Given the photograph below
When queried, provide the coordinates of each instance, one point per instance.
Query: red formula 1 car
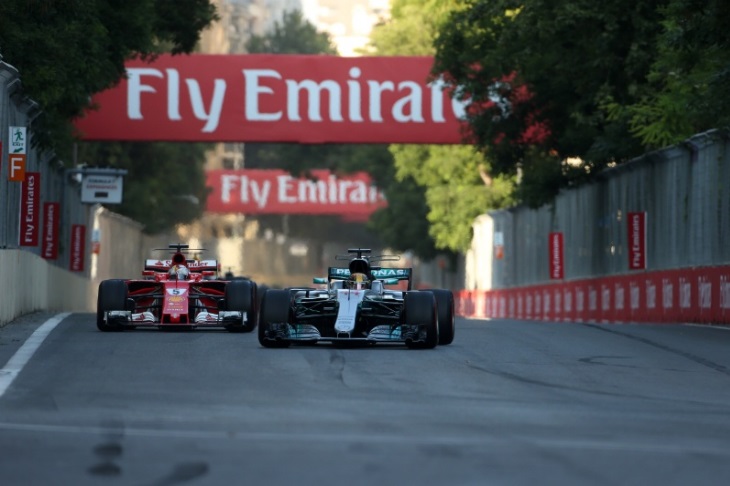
(177, 293)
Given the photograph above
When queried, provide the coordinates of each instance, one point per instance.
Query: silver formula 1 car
(355, 305)
(177, 293)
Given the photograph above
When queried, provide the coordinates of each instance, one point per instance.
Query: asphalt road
(509, 402)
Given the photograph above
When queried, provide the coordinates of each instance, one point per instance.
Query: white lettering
(413, 100)
(212, 116)
(376, 89)
(253, 89)
(354, 96)
(135, 88)
(314, 91)
(173, 94)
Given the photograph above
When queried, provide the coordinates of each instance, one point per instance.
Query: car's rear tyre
(240, 296)
(275, 307)
(112, 296)
(420, 309)
(445, 313)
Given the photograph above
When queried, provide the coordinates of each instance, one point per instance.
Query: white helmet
(179, 272)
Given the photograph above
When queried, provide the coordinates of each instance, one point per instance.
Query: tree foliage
(446, 187)
(292, 35)
(601, 82)
(67, 51)
(165, 182)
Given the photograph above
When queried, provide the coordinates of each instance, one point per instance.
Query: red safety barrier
(699, 295)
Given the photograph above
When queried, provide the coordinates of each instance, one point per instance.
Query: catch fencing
(36, 237)
(678, 202)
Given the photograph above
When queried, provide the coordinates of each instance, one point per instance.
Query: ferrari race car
(356, 307)
(177, 293)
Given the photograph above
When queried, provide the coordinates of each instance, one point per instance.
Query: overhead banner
(30, 199)
(270, 191)
(557, 268)
(637, 240)
(49, 240)
(78, 247)
(277, 98)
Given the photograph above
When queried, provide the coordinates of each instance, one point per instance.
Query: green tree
(165, 182)
(443, 188)
(541, 76)
(292, 35)
(688, 87)
(67, 51)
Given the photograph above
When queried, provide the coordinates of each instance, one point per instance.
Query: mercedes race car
(179, 293)
(356, 306)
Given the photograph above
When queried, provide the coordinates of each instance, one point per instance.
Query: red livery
(177, 293)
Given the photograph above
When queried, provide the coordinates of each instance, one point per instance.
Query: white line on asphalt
(21, 357)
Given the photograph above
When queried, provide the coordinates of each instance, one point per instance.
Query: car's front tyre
(240, 296)
(420, 310)
(112, 296)
(275, 308)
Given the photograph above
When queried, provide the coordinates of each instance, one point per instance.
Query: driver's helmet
(179, 272)
(358, 281)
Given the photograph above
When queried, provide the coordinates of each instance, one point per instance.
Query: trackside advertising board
(557, 267)
(269, 191)
(637, 240)
(30, 201)
(277, 98)
(49, 240)
(78, 247)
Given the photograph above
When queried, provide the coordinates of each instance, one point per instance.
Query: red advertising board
(698, 294)
(78, 247)
(49, 240)
(270, 191)
(30, 199)
(637, 240)
(557, 270)
(277, 98)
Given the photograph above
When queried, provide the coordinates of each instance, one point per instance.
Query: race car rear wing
(388, 275)
(193, 265)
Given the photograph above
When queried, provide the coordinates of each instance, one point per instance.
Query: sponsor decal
(277, 98)
(78, 246)
(30, 209)
(557, 270)
(637, 240)
(49, 240)
(380, 273)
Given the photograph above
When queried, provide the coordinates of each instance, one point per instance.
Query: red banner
(30, 198)
(78, 247)
(277, 98)
(637, 240)
(51, 217)
(259, 191)
(557, 270)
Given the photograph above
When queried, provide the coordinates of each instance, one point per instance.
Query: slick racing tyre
(240, 296)
(445, 313)
(420, 308)
(274, 310)
(112, 297)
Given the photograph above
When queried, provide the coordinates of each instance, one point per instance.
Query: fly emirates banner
(272, 191)
(277, 98)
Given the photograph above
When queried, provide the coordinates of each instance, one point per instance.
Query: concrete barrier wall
(28, 284)
(690, 295)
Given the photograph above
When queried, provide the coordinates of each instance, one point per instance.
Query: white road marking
(21, 357)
